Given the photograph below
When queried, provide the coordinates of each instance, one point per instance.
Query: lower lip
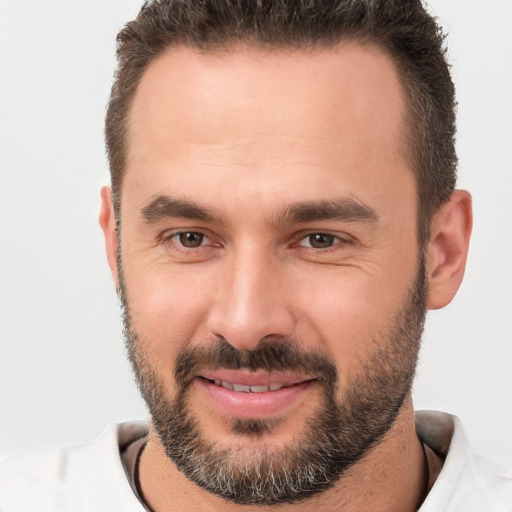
(253, 405)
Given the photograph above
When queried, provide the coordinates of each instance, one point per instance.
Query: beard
(340, 432)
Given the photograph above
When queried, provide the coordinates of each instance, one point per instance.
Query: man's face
(268, 244)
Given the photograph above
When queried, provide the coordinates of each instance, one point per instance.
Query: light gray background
(63, 375)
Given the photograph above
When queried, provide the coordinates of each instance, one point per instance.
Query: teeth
(243, 388)
(259, 389)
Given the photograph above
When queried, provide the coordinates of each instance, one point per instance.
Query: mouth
(253, 395)
(246, 388)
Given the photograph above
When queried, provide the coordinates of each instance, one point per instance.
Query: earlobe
(448, 248)
(108, 225)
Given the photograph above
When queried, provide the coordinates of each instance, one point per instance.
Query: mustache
(270, 355)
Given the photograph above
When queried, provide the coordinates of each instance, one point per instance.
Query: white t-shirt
(91, 477)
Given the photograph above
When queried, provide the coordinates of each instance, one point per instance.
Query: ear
(108, 225)
(448, 249)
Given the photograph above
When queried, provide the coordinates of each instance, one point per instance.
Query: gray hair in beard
(340, 433)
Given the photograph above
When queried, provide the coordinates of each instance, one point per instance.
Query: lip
(254, 378)
(253, 405)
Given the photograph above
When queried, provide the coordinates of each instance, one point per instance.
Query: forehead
(200, 91)
(300, 112)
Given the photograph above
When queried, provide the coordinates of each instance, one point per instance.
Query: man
(283, 211)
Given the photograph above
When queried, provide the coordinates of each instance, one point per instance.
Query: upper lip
(254, 378)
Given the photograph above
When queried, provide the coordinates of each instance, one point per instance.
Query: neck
(391, 477)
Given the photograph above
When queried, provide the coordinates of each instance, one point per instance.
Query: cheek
(350, 310)
(167, 309)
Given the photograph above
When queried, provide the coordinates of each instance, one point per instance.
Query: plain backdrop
(63, 374)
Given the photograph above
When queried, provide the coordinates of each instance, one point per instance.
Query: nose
(252, 301)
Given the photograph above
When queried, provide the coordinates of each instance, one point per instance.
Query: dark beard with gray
(338, 435)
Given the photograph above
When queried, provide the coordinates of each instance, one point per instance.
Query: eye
(319, 241)
(190, 239)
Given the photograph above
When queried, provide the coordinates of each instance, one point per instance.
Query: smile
(242, 394)
(245, 388)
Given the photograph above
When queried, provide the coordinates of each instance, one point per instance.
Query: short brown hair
(402, 28)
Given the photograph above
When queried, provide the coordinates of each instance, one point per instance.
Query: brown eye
(191, 239)
(319, 241)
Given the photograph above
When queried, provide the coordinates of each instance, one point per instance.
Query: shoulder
(467, 482)
(89, 476)
(488, 483)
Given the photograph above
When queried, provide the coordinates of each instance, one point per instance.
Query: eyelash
(342, 241)
(167, 238)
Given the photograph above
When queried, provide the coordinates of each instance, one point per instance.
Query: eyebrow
(165, 207)
(342, 209)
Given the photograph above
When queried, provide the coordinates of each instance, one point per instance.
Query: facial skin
(251, 153)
